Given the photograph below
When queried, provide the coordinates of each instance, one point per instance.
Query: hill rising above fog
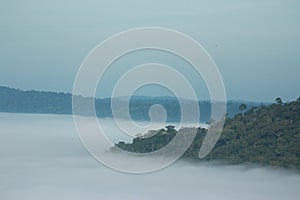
(267, 135)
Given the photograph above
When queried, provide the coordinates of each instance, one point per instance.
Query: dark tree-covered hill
(267, 135)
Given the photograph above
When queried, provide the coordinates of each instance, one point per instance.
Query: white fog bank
(41, 157)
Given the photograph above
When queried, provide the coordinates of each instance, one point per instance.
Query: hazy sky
(254, 43)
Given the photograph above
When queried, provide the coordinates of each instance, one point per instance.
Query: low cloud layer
(42, 158)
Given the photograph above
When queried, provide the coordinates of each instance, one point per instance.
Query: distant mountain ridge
(31, 101)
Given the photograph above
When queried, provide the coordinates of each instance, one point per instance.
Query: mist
(41, 157)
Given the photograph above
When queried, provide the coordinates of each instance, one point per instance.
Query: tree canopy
(267, 135)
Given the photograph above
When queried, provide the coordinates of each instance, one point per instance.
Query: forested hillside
(19, 101)
(267, 135)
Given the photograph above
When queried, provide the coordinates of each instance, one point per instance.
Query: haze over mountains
(19, 101)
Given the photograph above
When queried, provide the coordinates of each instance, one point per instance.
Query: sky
(255, 44)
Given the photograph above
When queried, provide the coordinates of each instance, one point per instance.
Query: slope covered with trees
(267, 135)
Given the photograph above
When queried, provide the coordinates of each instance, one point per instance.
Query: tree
(242, 107)
(170, 128)
(278, 100)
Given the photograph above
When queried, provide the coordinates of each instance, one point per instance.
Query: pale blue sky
(254, 43)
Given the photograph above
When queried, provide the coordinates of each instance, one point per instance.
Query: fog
(41, 157)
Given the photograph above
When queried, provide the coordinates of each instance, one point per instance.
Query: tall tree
(278, 100)
(242, 107)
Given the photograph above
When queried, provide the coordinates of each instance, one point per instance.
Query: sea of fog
(41, 157)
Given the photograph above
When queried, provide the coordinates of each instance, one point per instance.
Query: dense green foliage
(267, 135)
